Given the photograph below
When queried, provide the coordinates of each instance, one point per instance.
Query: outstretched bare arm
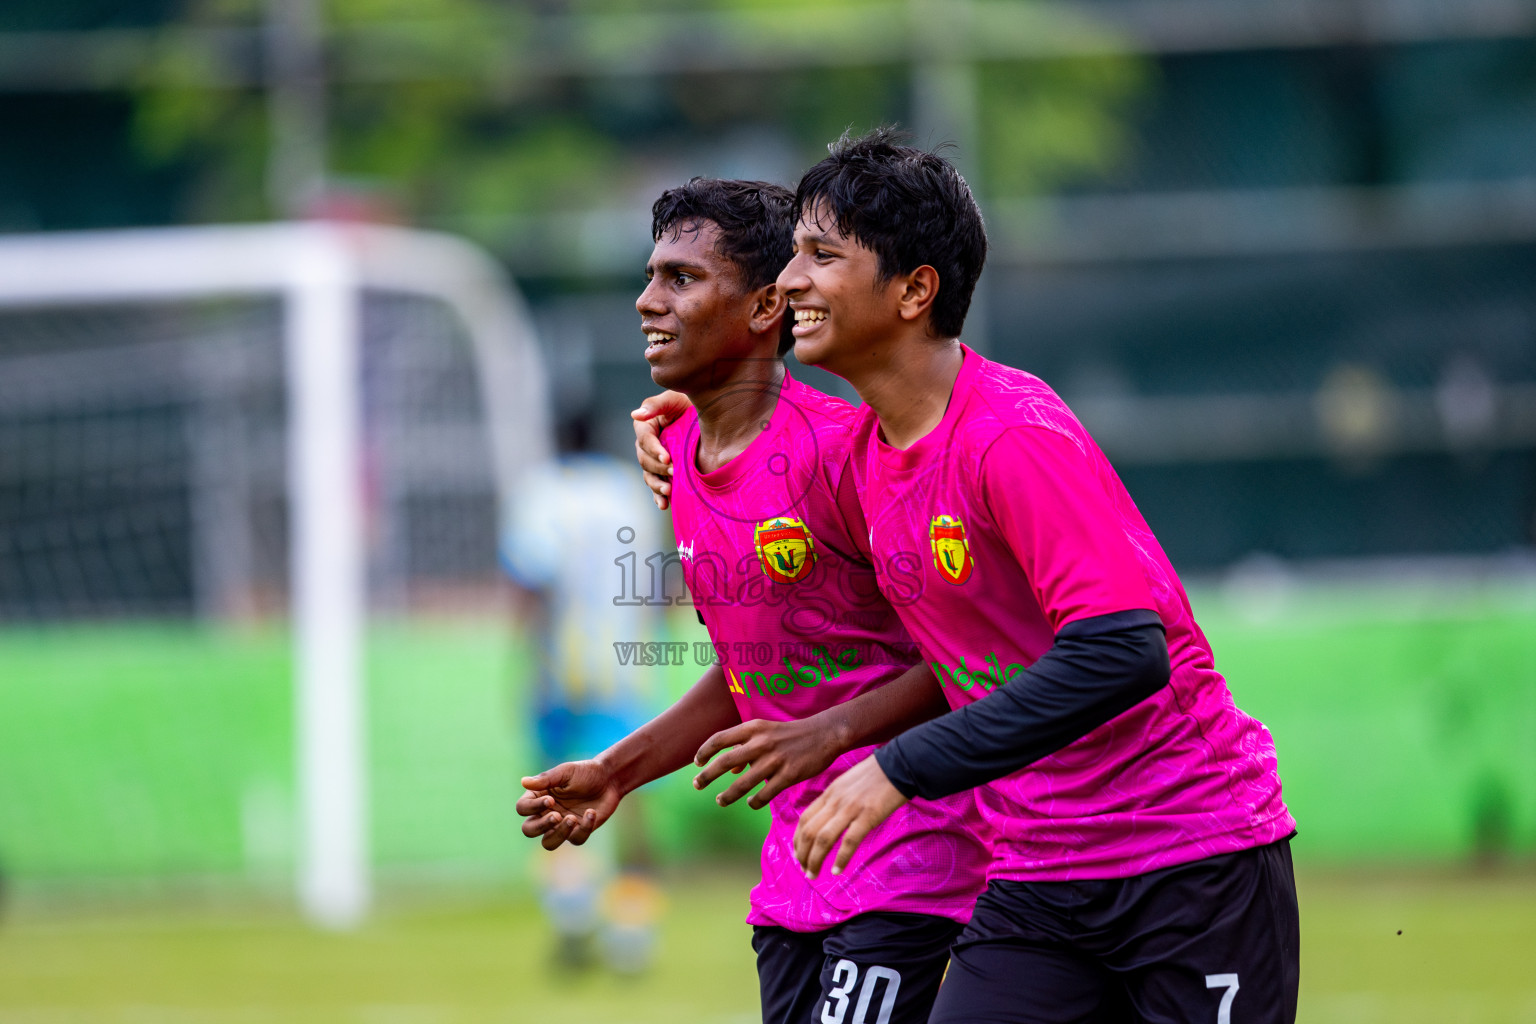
(570, 801)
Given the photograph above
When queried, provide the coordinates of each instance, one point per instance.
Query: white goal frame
(319, 272)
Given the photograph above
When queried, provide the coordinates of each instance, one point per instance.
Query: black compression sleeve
(1096, 669)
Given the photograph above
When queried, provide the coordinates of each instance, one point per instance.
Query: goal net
(249, 481)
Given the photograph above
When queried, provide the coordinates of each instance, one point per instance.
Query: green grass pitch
(1463, 957)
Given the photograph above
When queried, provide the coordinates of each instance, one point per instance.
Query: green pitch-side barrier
(1404, 718)
(164, 752)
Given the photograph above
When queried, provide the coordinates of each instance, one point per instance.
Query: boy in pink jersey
(813, 658)
(1141, 867)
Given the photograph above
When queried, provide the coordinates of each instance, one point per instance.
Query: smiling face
(696, 312)
(844, 312)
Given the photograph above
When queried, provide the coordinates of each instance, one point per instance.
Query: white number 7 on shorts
(1228, 982)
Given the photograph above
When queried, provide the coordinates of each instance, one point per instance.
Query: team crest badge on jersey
(951, 552)
(785, 549)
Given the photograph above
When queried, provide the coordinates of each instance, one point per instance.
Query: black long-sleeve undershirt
(1097, 668)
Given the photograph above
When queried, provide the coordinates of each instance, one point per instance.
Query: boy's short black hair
(911, 207)
(757, 228)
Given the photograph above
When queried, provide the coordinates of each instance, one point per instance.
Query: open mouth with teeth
(807, 320)
(655, 341)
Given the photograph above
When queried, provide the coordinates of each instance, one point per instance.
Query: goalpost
(314, 280)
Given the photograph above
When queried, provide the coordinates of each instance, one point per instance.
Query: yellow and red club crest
(785, 549)
(951, 552)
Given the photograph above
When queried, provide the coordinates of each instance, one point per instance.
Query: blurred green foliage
(466, 111)
(1050, 122)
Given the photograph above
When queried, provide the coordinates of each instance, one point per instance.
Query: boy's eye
(684, 278)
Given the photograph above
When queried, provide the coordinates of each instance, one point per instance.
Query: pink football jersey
(774, 552)
(1001, 525)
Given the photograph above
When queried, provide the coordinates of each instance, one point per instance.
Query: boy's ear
(916, 292)
(769, 304)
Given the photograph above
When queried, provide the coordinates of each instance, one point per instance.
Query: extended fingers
(530, 804)
(777, 782)
(828, 817)
(734, 761)
(660, 487)
(653, 454)
(553, 778)
(851, 839)
(658, 484)
(582, 828)
(540, 824)
(744, 785)
(667, 406)
(730, 761)
(811, 822)
(820, 844)
(650, 453)
(648, 447)
(735, 736)
(651, 410)
(560, 832)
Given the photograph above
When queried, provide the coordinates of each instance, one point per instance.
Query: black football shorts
(877, 968)
(1216, 941)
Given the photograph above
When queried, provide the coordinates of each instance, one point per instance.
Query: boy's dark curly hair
(756, 228)
(911, 207)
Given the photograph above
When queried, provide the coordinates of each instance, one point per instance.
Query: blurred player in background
(814, 660)
(569, 521)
